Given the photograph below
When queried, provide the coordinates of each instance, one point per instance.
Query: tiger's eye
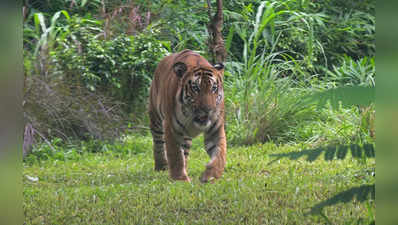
(214, 88)
(195, 88)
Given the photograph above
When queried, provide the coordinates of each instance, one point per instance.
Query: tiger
(186, 99)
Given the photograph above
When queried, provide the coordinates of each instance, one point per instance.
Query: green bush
(124, 147)
(121, 67)
(264, 103)
(360, 72)
(74, 6)
(268, 115)
(183, 23)
(312, 33)
(80, 85)
(261, 105)
(337, 126)
(75, 50)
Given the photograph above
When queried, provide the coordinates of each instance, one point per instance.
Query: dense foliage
(279, 52)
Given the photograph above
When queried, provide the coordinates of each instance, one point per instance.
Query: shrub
(121, 67)
(313, 33)
(183, 23)
(360, 72)
(79, 85)
(73, 6)
(268, 115)
(264, 105)
(337, 126)
(263, 101)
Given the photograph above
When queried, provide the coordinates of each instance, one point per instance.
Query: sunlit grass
(113, 187)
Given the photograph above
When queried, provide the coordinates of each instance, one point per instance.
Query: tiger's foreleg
(176, 156)
(216, 148)
(159, 154)
(186, 145)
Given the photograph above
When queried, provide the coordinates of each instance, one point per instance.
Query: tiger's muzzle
(202, 118)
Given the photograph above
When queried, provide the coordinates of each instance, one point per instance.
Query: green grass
(113, 187)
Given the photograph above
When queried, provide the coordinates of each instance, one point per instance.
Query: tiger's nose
(205, 110)
(202, 114)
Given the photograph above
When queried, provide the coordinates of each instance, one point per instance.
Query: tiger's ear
(219, 66)
(179, 68)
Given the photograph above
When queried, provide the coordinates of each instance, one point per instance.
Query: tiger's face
(201, 93)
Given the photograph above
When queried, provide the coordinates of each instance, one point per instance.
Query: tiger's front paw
(181, 178)
(210, 174)
(161, 167)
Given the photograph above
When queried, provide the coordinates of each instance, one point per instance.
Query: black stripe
(208, 74)
(155, 116)
(203, 69)
(157, 132)
(210, 130)
(159, 150)
(177, 132)
(161, 112)
(182, 96)
(156, 126)
(178, 121)
(156, 123)
(210, 150)
(159, 142)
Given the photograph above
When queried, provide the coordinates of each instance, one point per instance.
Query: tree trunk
(27, 140)
(216, 41)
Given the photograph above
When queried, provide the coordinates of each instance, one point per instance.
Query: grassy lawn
(122, 188)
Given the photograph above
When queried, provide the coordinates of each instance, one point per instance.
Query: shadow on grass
(361, 193)
(331, 152)
(347, 96)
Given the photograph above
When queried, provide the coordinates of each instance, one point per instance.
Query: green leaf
(40, 21)
(83, 3)
(229, 38)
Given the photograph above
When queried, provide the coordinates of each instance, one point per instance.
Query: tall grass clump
(315, 34)
(263, 104)
(279, 57)
(361, 72)
(337, 126)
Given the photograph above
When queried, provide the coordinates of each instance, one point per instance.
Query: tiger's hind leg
(159, 154)
(216, 148)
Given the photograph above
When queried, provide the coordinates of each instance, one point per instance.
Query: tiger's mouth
(201, 120)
